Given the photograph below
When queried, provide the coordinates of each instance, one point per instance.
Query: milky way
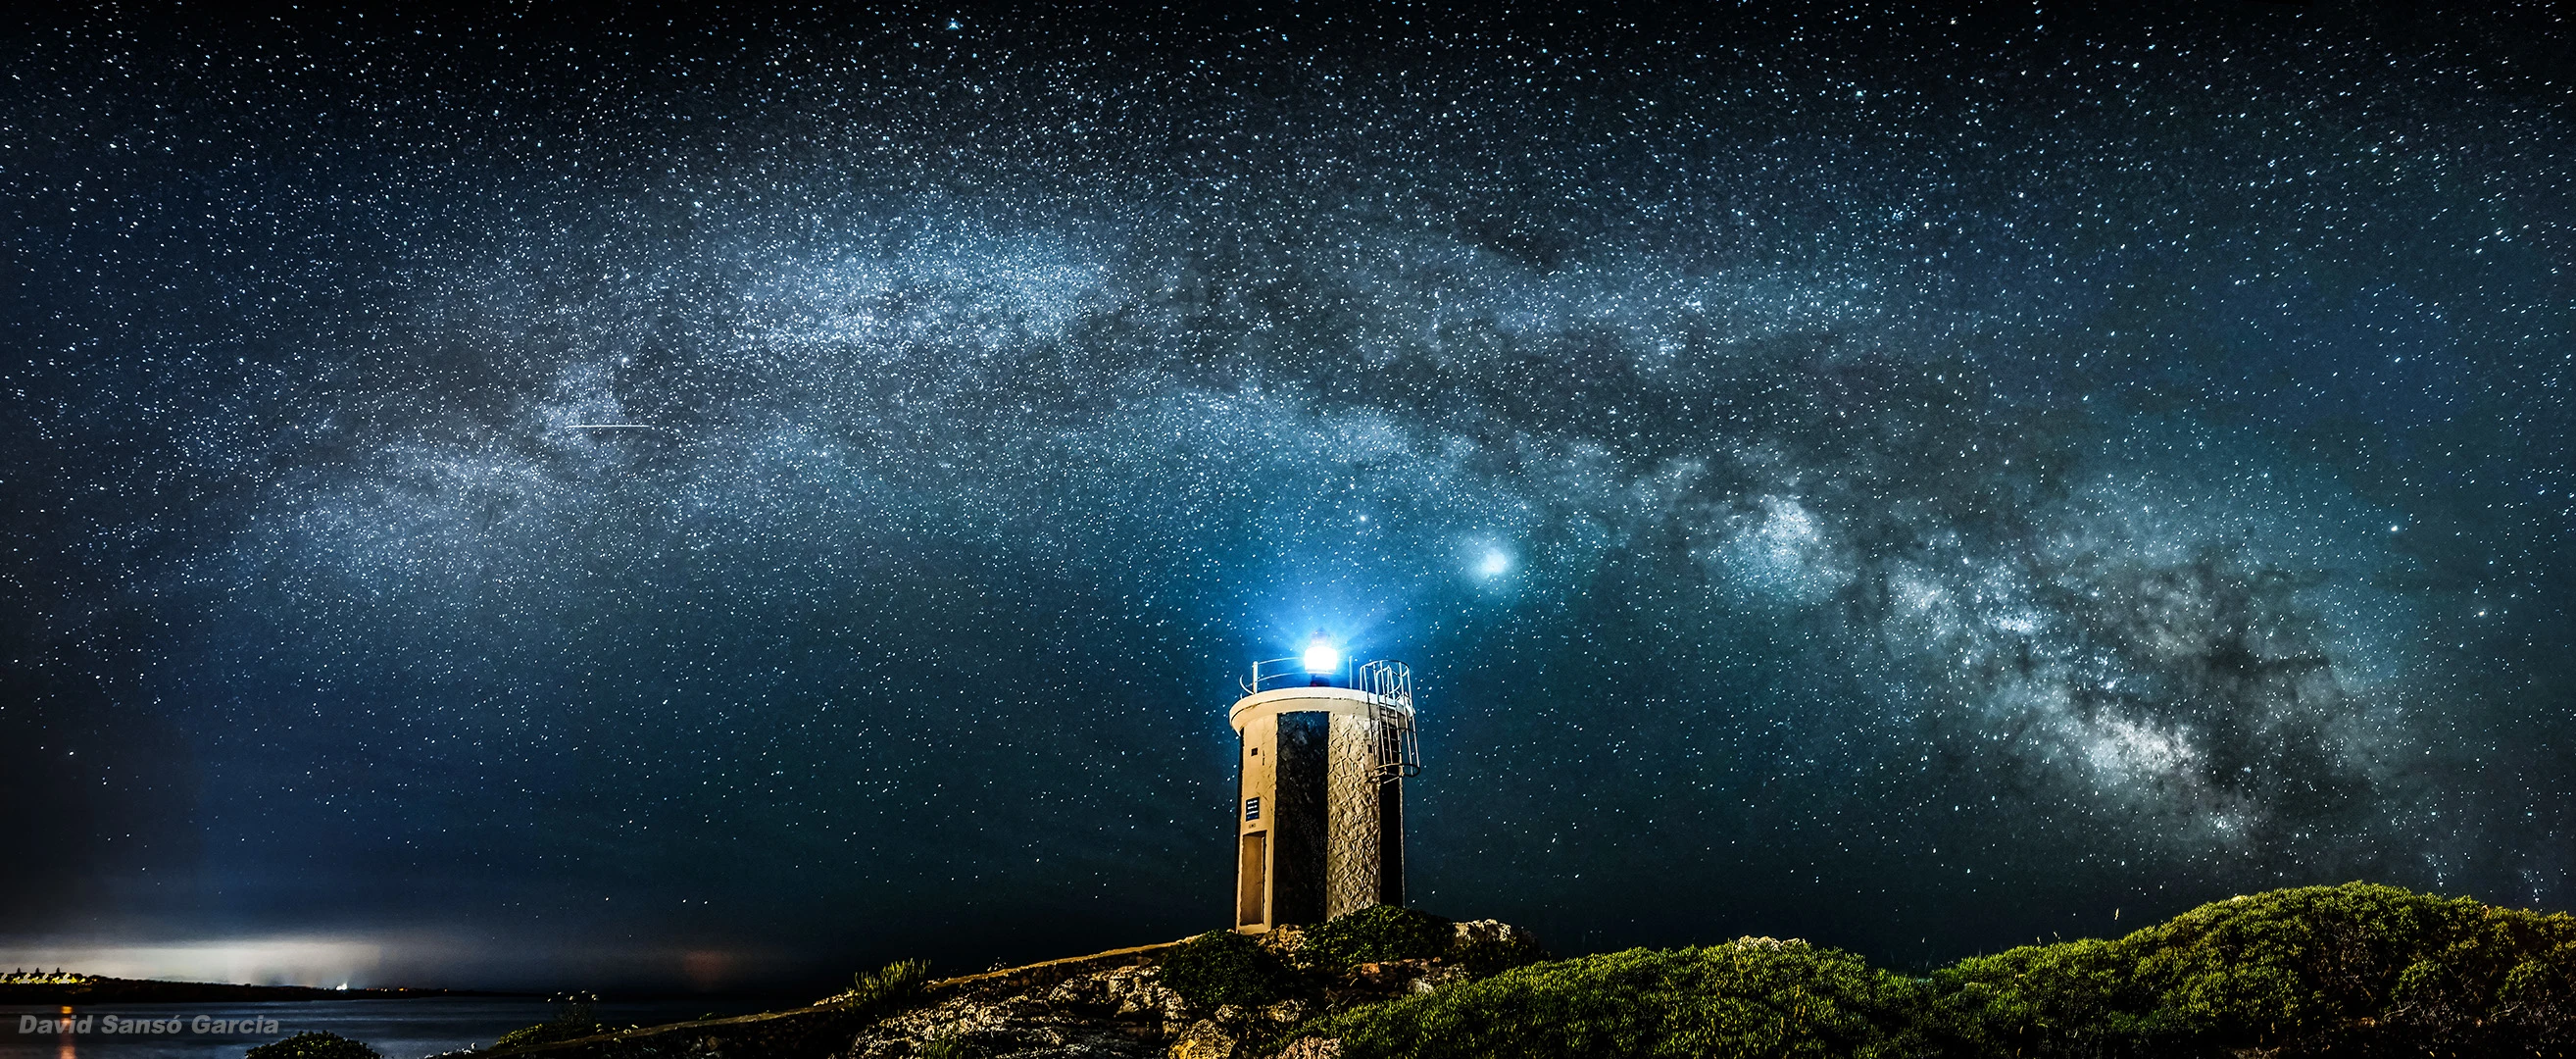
(804, 489)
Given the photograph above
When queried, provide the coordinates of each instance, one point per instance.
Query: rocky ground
(1125, 1011)
(1110, 1004)
(1120, 1011)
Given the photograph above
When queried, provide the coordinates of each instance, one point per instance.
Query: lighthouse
(1319, 818)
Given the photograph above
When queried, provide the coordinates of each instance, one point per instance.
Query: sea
(397, 1029)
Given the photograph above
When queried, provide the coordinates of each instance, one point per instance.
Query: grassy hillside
(2329, 970)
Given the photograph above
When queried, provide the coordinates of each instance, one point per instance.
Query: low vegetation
(572, 1021)
(2354, 970)
(821, 1029)
(1751, 997)
(1221, 969)
(886, 988)
(950, 1045)
(313, 1046)
(2331, 971)
(2340, 970)
(1224, 969)
(1374, 934)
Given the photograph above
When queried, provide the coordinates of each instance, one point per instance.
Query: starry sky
(539, 497)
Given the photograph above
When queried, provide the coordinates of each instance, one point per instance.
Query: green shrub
(892, 985)
(1222, 967)
(2352, 970)
(1374, 934)
(313, 1046)
(1754, 997)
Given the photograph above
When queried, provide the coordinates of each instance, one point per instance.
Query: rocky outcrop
(1108, 1005)
(1114, 1011)
(1115, 1005)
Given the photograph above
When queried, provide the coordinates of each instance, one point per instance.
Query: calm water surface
(400, 1029)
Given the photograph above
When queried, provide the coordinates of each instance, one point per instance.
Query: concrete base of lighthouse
(1319, 828)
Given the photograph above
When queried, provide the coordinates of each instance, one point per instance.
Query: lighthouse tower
(1319, 821)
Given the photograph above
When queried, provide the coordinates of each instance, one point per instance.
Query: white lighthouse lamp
(1322, 660)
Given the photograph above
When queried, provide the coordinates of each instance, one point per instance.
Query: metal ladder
(1389, 686)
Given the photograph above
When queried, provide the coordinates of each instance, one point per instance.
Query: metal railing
(1389, 688)
(1291, 672)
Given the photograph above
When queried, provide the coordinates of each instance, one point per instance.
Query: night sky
(1915, 482)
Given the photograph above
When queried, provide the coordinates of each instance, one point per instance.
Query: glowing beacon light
(1319, 822)
(1321, 657)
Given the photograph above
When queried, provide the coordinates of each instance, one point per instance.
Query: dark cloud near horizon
(1952, 482)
